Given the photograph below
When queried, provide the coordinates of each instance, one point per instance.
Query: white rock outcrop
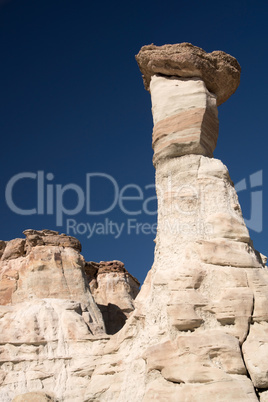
(199, 330)
(50, 323)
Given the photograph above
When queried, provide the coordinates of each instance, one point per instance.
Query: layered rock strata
(50, 322)
(185, 117)
(186, 85)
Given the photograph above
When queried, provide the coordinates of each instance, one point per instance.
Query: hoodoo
(186, 85)
(199, 330)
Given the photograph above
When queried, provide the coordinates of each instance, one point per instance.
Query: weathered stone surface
(49, 238)
(183, 316)
(2, 247)
(47, 315)
(114, 291)
(263, 396)
(13, 249)
(192, 314)
(228, 227)
(34, 397)
(8, 282)
(233, 309)
(231, 390)
(255, 350)
(46, 344)
(219, 70)
(258, 282)
(21, 247)
(196, 306)
(229, 253)
(194, 358)
(185, 117)
(52, 329)
(60, 271)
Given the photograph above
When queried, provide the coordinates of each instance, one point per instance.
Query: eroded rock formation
(114, 290)
(219, 71)
(199, 330)
(186, 85)
(49, 320)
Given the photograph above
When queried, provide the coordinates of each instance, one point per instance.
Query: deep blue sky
(73, 102)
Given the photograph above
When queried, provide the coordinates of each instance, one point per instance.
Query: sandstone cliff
(199, 328)
(54, 309)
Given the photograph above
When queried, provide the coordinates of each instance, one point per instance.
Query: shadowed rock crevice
(250, 321)
(113, 317)
(114, 290)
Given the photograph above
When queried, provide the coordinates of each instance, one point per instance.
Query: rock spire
(186, 85)
(199, 328)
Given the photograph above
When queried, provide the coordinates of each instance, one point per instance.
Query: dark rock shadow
(113, 317)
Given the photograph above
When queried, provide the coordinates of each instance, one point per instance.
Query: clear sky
(73, 106)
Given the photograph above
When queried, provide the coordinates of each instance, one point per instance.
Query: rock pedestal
(186, 85)
(199, 330)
